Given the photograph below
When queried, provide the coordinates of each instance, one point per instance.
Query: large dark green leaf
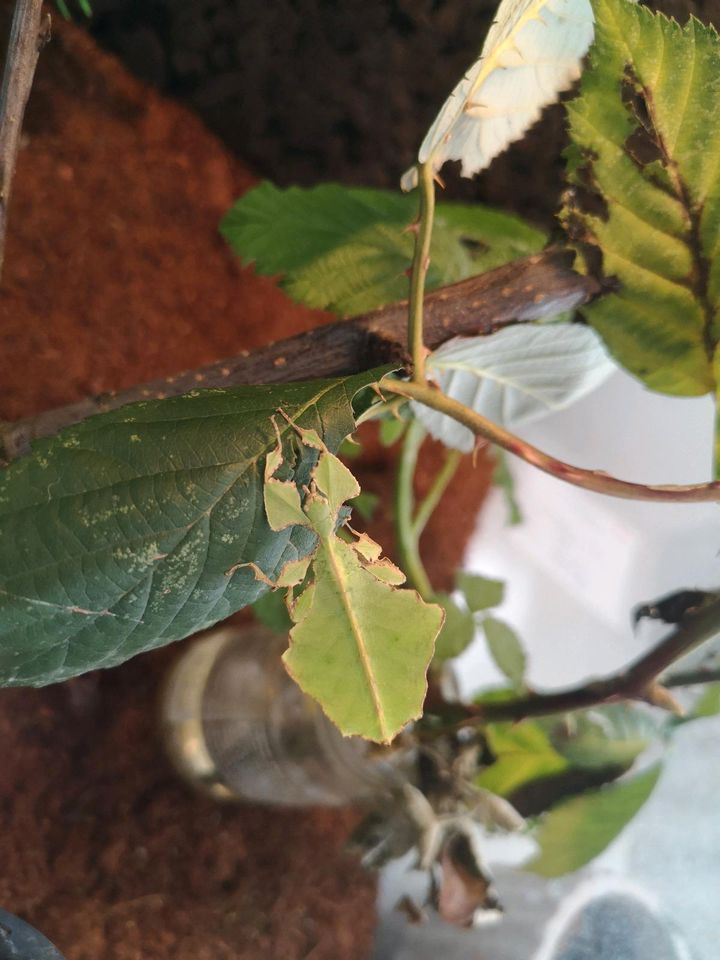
(116, 536)
(349, 249)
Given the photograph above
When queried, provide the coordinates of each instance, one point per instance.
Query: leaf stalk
(420, 264)
(595, 480)
(405, 534)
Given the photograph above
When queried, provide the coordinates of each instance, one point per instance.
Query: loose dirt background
(347, 88)
(115, 273)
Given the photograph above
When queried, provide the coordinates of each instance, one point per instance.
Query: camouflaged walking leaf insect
(359, 645)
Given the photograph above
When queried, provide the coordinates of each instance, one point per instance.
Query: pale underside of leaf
(349, 249)
(531, 54)
(514, 376)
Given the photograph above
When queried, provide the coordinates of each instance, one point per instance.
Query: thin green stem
(436, 491)
(594, 480)
(421, 261)
(407, 541)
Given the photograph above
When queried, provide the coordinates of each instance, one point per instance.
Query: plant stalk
(594, 480)
(407, 540)
(436, 491)
(421, 262)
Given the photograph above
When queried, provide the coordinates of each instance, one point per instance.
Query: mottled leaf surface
(116, 536)
(645, 143)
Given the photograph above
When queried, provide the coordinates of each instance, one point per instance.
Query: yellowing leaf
(645, 138)
(531, 54)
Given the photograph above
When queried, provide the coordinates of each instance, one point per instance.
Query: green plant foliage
(505, 649)
(518, 374)
(391, 430)
(116, 535)
(481, 593)
(359, 646)
(708, 705)
(457, 632)
(349, 249)
(84, 6)
(365, 504)
(577, 830)
(271, 610)
(607, 736)
(645, 138)
(503, 479)
(523, 753)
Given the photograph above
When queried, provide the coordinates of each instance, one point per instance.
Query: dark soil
(114, 274)
(311, 90)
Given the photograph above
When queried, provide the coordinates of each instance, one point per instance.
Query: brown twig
(526, 289)
(27, 36)
(633, 682)
(595, 480)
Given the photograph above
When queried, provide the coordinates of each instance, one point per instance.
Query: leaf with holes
(533, 51)
(516, 375)
(116, 536)
(348, 249)
(644, 158)
(359, 645)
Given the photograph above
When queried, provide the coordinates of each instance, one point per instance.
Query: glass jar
(239, 727)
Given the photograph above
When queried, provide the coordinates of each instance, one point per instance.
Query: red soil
(114, 274)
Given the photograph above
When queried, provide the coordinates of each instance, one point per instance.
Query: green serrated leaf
(578, 830)
(271, 610)
(457, 632)
(506, 650)
(524, 753)
(116, 536)
(349, 249)
(360, 646)
(645, 136)
(481, 593)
